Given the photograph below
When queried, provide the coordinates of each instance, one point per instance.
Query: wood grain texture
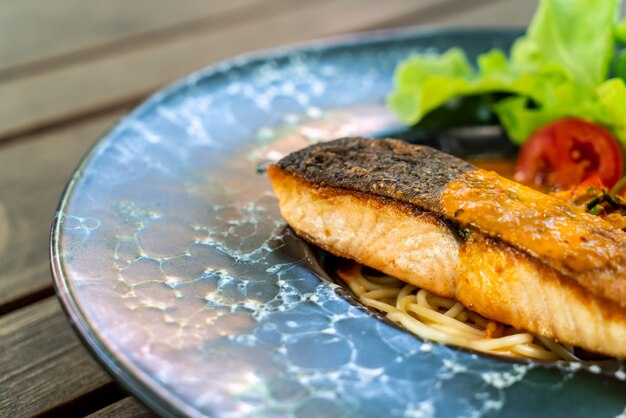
(32, 177)
(46, 99)
(36, 34)
(126, 408)
(508, 13)
(42, 362)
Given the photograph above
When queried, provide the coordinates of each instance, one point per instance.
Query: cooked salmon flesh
(505, 251)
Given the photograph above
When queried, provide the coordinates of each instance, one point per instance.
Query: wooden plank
(512, 13)
(45, 99)
(35, 33)
(42, 362)
(32, 177)
(507, 13)
(126, 408)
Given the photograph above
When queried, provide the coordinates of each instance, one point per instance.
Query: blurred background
(68, 70)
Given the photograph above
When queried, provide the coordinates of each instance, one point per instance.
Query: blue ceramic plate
(174, 265)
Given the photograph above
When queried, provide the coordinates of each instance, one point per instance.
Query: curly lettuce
(559, 68)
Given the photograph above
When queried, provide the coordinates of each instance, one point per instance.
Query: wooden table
(68, 70)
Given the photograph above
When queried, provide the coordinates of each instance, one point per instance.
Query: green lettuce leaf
(611, 109)
(620, 32)
(558, 69)
(425, 82)
(577, 34)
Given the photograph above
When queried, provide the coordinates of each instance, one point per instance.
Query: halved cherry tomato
(568, 151)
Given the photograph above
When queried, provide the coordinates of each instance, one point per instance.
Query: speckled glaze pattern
(172, 261)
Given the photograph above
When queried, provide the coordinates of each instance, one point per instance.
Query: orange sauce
(566, 237)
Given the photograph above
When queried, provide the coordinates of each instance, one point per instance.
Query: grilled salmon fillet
(503, 250)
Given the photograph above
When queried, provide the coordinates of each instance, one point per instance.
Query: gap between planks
(94, 402)
(128, 407)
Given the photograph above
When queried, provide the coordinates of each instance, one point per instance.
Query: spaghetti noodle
(446, 320)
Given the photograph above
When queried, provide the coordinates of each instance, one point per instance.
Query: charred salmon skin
(503, 250)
